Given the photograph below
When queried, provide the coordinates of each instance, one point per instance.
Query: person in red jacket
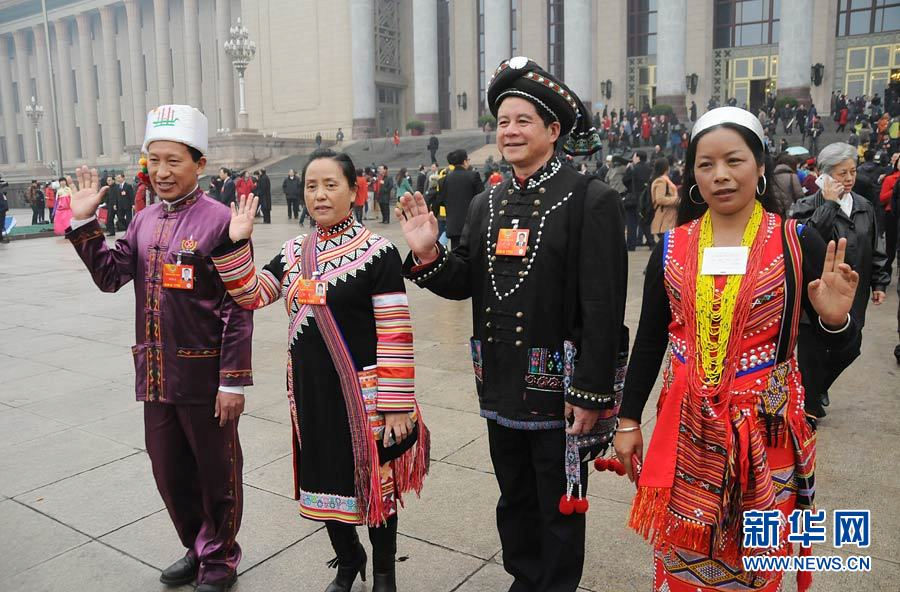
(244, 186)
(362, 195)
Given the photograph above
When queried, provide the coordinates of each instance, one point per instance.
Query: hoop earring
(765, 186)
(691, 196)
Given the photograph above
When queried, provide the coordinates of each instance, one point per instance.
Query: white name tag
(725, 260)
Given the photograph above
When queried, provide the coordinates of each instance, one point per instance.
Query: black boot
(385, 582)
(183, 571)
(346, 574)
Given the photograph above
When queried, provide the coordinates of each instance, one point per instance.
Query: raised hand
(85, 195)
(832, 294)
(420, 227)
(242, 218)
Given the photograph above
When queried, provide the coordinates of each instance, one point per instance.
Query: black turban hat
(524, 78)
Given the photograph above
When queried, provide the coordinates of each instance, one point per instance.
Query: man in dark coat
(126, 201)
(432, 148)
(264, 191)
(421, 179)
(533, 308)
(385, 193)
(637, 177)
(293, 194)
(229, 192)
(459, 187)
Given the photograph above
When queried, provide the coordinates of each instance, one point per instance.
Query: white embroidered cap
(734, 115)
(177, 123)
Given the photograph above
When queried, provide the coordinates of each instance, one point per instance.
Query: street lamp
(241, 51)
(35, 112)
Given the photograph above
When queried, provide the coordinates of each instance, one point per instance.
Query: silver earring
(765, 186)
(691, 196)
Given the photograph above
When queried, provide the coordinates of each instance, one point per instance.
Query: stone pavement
(79, 509)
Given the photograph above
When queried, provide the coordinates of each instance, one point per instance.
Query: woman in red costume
(723, 295)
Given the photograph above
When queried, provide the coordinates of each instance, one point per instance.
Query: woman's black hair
(660, 167)
(688, 210)
(342, 158)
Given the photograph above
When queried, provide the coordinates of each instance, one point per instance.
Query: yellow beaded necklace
(715, 312)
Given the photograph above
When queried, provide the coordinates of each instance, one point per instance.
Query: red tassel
(601, 464)
(617, 466)
(581, 505)
(566, 505)
(804, 578)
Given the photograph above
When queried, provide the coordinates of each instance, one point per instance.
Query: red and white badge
(512, 242)
(178, 276)
(311, 291)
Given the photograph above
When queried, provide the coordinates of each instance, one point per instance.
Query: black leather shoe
(183, 571)
(346, 574)
(897, 353)
(218, 586)
(384, 582)
(815, 409)
(825, 400)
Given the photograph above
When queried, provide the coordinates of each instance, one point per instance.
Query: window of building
(79, 153)
(861, 17)
(97, 79)
(100, 138)
(123, 130)
(869, 69)
(74, 87)
(33, 87)
(119, 75)
(641, 27)
(15, 95)
(556, 38)
(739, 23)
(20, 141)
(144, 62)
(4, 157)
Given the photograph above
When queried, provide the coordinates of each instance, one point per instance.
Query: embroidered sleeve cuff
(235, 377)
(589, 400)
(391, 404)
(85, 231)
(420, 274)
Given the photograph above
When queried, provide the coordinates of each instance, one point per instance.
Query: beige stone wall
(464, 62)
(611, 50)
(824, 17)
(300, 81)
(699, 52)
(532, 28)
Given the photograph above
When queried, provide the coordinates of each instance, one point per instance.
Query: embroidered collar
(336, 229)
(538, 177)
(187, 200)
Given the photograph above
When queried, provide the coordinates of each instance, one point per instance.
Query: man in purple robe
(192, 352)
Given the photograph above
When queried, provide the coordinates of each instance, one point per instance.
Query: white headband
(733, 115)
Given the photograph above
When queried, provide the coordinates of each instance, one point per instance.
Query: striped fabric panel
(249, 288)
(394, 353)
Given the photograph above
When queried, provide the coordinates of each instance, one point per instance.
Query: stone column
(425, 64)
(497, 29)
(670, 55)
(577, 49)
(795, 50)
(87, 90)
(9, 113)
(362, 51)
(611, 56)
(192, 54)
(24, 86)
(136, 63)
(163, 63)
(66, 91)
(44, 97)
(226, 70)
(112, 108)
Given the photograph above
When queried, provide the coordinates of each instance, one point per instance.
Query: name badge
(725, 261)
(311, 291)
(177, 276)
(512, 242)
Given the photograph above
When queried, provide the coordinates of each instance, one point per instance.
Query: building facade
(369, 67)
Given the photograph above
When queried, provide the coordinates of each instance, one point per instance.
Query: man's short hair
(457, 157)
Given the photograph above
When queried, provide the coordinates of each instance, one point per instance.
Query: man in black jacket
(637, 177)
(458, 188)
(264, 191)
(385, 192)
(126, 201)
(228, 189)
(293, 194)
(432, 148)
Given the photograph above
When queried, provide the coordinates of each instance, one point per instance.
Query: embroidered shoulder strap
(367, 478)
(793, 280)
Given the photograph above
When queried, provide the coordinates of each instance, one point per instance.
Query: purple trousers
(197, 466)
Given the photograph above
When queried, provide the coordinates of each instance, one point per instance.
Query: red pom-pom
(566, 505)
(620, 468)
(601, 464)
(581, 505)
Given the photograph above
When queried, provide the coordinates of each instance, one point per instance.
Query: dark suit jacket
(125, 193)
(264, 191)
(458, 188)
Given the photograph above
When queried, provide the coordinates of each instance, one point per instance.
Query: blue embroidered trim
(756, 368)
